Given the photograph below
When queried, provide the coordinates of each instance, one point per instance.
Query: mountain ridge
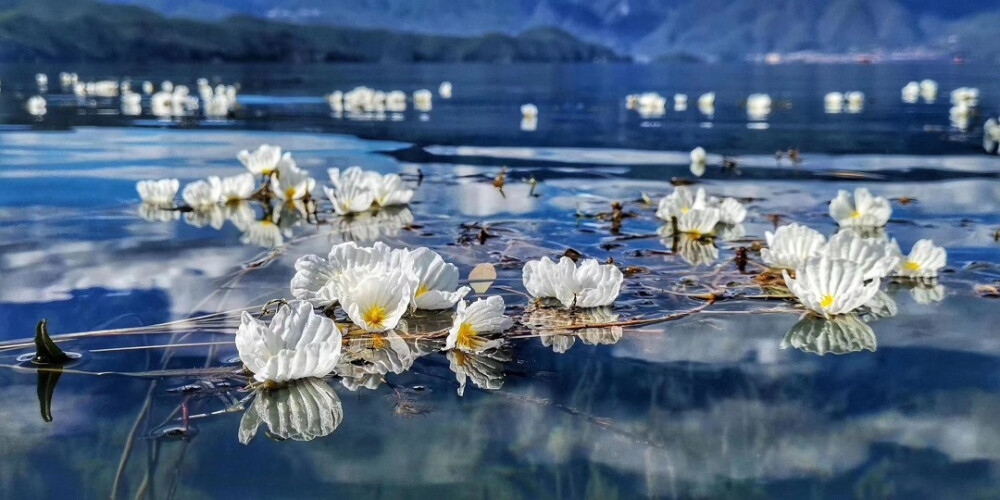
(708, 29)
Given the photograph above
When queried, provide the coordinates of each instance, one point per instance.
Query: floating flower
(529, 111)
(304, 410)
(263, 161)
(375, 298)
(298, 343)
(389, 190)
(291, 182)
(589, 285)
(680, 202)
(924, 261)
(437, 286)
(316, 278)
(203, 193)
(790, 246)
(874, 259)
(863, 210)
(350, 200)
(484, 316)
(731, 211)
(840, 335)
(444, 90)
(35, 105)
(830, 287)
(158, 193)
(698, 155)
(698, 222)
(237, 187)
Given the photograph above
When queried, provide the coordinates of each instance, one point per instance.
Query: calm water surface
(717, 404)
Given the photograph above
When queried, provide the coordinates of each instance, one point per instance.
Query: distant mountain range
(85, 30)
(704, 29)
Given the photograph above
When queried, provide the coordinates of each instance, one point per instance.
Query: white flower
(790, 246)
(291, 182)
(237, 187)
(316, 278)
(863, 210)
(730, 232)
(375, 298)
(159, 193)
(874, 259)
(203, 194)
(698, 155)
(924, 261)
(731, 211)
(680, 202)
(698, 222)
(698, 169)
(350, 199)
(482, 317)
(437, 286)
(298, 343)
(830, 287)
(529, 110)
(36, 106)
(589, 285)
(389, 190)
(263, 161)
(444, 90)
(305, 410)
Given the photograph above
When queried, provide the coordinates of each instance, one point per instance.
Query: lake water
(732, 401)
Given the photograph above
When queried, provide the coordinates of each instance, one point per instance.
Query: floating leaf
(46, 351)
(991, 291)
(482, 277)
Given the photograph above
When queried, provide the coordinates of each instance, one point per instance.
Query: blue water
(718, 404)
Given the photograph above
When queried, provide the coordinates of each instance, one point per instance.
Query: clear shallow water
(718, 403)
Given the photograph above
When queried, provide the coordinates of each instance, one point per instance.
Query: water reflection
(839, 335)
(559, 328)
(301, 411)
(485, 369)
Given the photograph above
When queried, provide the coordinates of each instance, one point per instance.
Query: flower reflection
(485, 369)
(838, 335)
(157, 214)
(696, 251)
(262, 233)
(301, 411)
(881, 305)
(927, 292)
(552, 326)
(382, 353)
(209, 215)
(369, 226)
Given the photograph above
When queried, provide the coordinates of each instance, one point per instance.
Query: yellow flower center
(465, 335)
(422, 290)
(856, 215)
(375, 316)
(685, 210)
(827, 302)
(697, 235)
(290, 193)
(912, 266)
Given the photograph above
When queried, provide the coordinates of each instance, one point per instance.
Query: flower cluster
(694, 213)
(285, 193)
(843, 274)
(375, 287)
